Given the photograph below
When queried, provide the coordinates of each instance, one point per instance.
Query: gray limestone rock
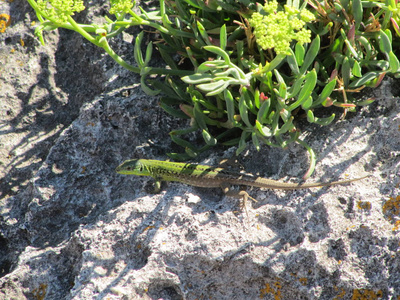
(71, 228)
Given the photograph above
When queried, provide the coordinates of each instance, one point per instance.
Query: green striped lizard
(209, 177)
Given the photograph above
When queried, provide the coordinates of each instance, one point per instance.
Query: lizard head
(133, 167)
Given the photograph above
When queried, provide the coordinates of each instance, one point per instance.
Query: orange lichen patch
(341, 294)
(148, 227)
(22, 42)
(396, 226)
(40, 292)
(274, 289)
(365, 294)
(365, 205)
(358, 294)
(351, 227)
(5, 21)
(303, 280)
(391, 207)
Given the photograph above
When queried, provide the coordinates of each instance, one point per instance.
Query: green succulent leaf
(218, 51)
(256, 141)
(346, 71)
(173, 112)
(208, 138)
(244, 112)
(394, 63)
(356, 70)
(293, 62)
(223, 39)
(197, 78)
(357, 12)
(183, 143)
(385, 43)
(242, 143)
(313, 158)
(230, 106)
(326, 92)
(296, 87)
(199, 116)
(263, 130)
(137, 52)
(311, 54)
(146, 88)
(310, 81)
(299, 53)
(320, 121)
(263, 111)
(288, 125)
(365, 79)
(214, 88)
(308, 103)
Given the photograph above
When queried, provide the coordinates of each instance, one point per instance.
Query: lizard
(210, 177)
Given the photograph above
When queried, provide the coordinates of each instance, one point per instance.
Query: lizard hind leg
(242, 195)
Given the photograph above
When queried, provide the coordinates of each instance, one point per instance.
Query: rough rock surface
(77, 230)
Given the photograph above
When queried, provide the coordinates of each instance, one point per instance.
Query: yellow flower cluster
(59, 10)
(118, 6)
(276, 29)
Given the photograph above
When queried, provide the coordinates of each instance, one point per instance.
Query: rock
(77, 230)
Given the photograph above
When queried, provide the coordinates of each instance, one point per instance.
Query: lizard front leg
(156, 185)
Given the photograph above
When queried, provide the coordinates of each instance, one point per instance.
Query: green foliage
(255, 69)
